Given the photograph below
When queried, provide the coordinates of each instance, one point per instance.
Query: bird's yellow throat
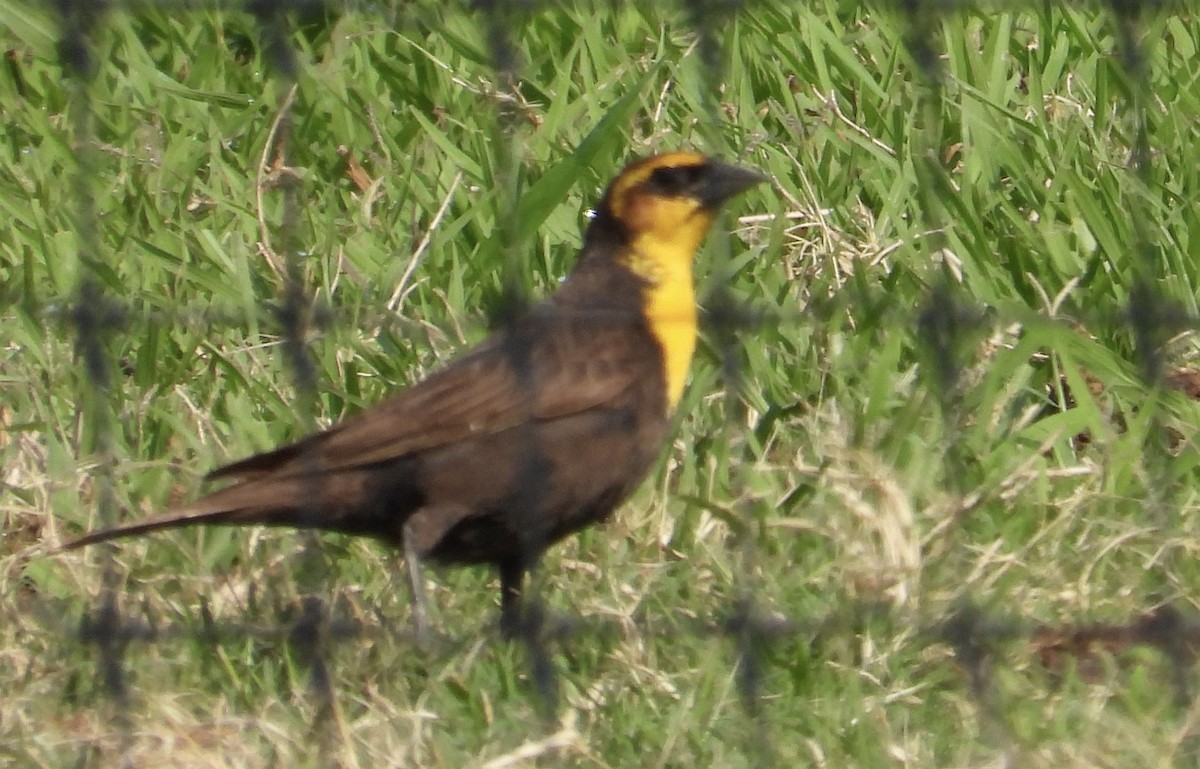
(664, 261)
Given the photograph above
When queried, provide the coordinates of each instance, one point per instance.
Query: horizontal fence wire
(950, 326)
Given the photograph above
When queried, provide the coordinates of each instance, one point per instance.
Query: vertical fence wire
(501, 22)
(728, 320)
(1150, 316)
(945, 324)
(1153, 318)
(94, 316)
(944, 320)
(298, 316)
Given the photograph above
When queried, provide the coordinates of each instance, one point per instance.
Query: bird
(541, 430)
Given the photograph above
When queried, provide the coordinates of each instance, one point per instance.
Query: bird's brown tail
(270, 502)
(165, 521)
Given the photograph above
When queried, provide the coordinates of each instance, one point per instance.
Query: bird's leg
(412, 563)
(512, 574)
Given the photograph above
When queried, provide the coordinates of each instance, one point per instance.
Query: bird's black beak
(722, 181)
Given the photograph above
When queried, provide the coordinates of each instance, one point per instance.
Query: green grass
(843, 490)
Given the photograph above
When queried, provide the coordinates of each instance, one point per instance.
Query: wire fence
(950, 322)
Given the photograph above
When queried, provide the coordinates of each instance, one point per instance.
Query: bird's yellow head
(662, 207)
(669, 200)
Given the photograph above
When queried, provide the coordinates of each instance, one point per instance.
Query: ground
(884, 541)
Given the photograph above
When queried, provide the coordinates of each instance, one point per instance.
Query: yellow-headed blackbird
(542, 429)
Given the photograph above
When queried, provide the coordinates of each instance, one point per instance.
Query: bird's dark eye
(675, 180)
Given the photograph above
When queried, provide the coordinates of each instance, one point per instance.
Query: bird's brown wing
(568, 367)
